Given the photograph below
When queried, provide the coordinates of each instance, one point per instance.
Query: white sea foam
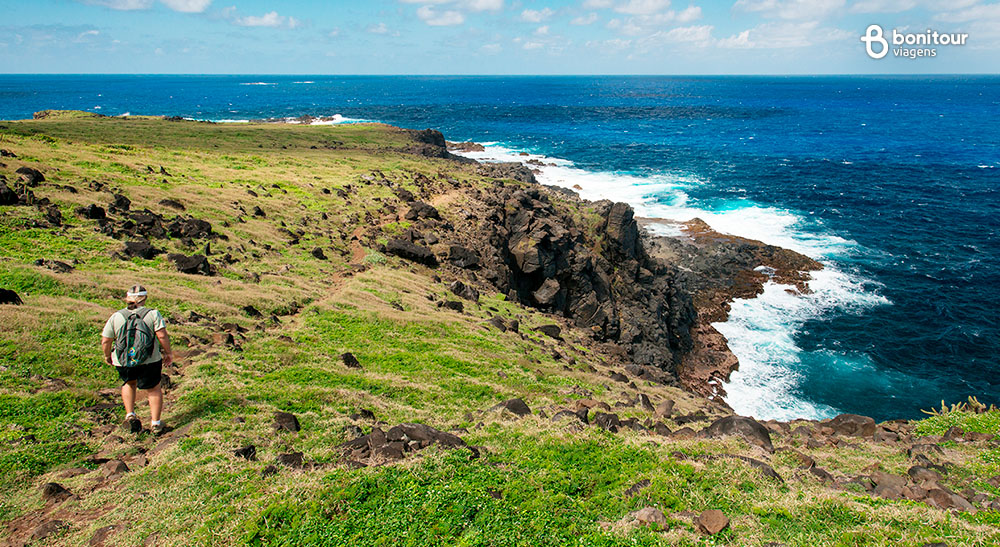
(760, 331)
(258, 83)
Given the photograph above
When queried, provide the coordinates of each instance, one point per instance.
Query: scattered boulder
(462, 257)
(30, 176)
(48, 529)
(53, 491)
(453, 305)
(285, 421)
(172, 204)
(396, 443)
(141, 248)
(291, 459)
(664, 409)
(409, 250)
(114, 468)
(349, 360)
(712, 522)
(52, 215)
(651, 516)
(119, 203)
(853, 425)
(101, 535)
(462, 290)
(8, 196)
(248, 452)
(252, 311)
(193, 228)
(318, 253)
(420, 210)
(552, 331)
(194, 264)
(92, 212)
(54, 265)
(740, 426)
(516, 406)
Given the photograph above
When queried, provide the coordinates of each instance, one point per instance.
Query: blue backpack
(134, 343)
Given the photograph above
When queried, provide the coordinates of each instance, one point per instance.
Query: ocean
(892, 182)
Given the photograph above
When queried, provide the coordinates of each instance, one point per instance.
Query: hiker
(135, 341)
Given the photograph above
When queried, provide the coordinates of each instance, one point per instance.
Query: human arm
(107, 344)
(165, 351)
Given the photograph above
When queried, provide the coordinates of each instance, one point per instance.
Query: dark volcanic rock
(463, 258)
(546, 294)
(552, 331)
(420, 210)
(30, 176)
(195, 264)
(8, 296)
(248, 452)
(172, 203)
(285, 421)
(516, 406)
(141, 249)
(349, 360)
(409, 250)
(291, 459)
(54, 265)
(53, 491)
(462, 290)
(512, 170)
(8, 196)
(193, 228)
(93, 212)
(119, 203)
(740, 426)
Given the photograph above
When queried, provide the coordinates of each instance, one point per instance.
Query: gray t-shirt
(116, 324)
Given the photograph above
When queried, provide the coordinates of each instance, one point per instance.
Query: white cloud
(124, 5)
(536, 16)
(597, 4)
(270, 20)
(698, 34)
(646, 24)
(588, 19)
(982, 12)
(897, 6)
(378, 29)
(187, 6)
(786, 35)
(448, 18)
(643, 7)
(463, 5)
(791, 9)
(491, 49)
(86, 34)
(533, 45)
(542, 31)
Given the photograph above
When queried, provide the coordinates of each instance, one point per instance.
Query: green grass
(988, 422)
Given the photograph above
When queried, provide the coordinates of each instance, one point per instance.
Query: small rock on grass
(8, 296)
(712, 522)
(248, 452)
(650, 516)
(349, 360)
(48, 529)
(286, 421)
(54, 491)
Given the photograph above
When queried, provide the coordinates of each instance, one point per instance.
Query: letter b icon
(874, 34)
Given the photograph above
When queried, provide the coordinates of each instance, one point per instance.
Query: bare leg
(155, 396)
(128, 396)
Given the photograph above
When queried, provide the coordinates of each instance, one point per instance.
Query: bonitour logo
(877, 46)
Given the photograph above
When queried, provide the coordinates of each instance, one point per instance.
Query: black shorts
(146, 376)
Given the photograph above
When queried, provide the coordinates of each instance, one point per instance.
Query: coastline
(718, 268)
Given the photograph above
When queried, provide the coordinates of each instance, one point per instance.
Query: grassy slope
(538, 483)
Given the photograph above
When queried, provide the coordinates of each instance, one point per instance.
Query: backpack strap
(141, 312)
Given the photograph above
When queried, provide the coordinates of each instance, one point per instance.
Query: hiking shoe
(132, 425)
(158, 429)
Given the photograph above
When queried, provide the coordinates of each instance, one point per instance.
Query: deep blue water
(893, 182)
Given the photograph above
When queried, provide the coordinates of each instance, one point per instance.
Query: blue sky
(485, 36)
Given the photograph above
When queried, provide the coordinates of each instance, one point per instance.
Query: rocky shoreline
(705, 269)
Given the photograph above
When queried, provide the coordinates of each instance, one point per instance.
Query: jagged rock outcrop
(600, 278)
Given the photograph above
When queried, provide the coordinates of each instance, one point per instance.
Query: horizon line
(486, 75)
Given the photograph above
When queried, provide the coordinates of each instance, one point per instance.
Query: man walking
(135, 341)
